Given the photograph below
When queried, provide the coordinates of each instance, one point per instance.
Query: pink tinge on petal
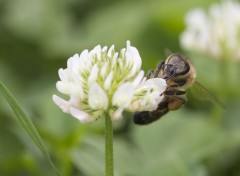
(117, 115)
(63, 104)
(82, 116)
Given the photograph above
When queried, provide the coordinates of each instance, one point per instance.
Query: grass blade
(26, 123)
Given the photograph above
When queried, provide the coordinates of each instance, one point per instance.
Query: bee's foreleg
(150, 74)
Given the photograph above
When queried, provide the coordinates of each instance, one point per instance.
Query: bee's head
(175, 65)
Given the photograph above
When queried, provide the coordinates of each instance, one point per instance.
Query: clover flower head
(104, 81)
(215, 32)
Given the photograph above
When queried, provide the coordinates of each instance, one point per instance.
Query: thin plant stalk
(109, 169)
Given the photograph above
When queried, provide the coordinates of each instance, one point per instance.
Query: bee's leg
(174, 92)
(179, 83)
(176, 98)
(150, 74)
(159, 68)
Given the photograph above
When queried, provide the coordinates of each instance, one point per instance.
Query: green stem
(109, 171)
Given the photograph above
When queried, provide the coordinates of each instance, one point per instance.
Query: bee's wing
(168, 52)
(205, 93)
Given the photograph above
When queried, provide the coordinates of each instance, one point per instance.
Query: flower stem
(109, 171)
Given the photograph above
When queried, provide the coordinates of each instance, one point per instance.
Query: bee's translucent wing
(206, 94)
(168, 52)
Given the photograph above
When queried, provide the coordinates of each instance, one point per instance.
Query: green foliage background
(36, 39)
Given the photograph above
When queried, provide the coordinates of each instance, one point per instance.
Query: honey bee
(180, 75)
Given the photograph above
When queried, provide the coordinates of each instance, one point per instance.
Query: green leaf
(26, 123)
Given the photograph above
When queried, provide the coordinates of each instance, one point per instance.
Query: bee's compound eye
(171, 70)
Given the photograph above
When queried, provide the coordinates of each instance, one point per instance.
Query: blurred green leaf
(26, 123)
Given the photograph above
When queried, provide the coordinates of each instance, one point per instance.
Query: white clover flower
(104, 81)
(215, 32)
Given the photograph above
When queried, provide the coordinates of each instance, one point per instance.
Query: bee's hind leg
(176, 98)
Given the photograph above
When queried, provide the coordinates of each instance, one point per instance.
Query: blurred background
(36, 39)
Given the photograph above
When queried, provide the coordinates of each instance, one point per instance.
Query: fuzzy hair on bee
(180, 75)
